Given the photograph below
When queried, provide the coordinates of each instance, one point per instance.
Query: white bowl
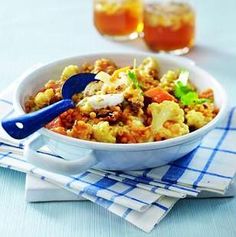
(80, 155)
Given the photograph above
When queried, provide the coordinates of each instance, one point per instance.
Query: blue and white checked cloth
(141, 197)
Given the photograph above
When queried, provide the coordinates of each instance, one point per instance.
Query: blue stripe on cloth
(148, 180)
(167, 185)
(6, 101)
(143, 179)
(174, 173)
(130, 182)
(161, 206)
(123, 193)
(221, 150)
(207, 165)
(126, 213)
(76, 178)
(93, 188)
(103, 183)
(205, 172)
(222, 128)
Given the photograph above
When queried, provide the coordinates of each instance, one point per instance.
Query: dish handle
(56, 164)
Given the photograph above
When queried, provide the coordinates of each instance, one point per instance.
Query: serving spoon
(22, 126)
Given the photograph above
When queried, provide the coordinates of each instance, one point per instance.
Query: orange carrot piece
(159, 95)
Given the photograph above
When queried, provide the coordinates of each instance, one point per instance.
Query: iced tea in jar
(118, 19)
(169, 26)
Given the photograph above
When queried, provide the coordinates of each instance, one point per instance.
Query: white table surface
(42, 31)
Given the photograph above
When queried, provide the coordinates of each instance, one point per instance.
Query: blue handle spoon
(22, 126)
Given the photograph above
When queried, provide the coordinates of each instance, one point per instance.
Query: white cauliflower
(115, 83)
(135, 122)
(147, 73)
(167, 120)
(196, 119)
(148, 66)
(168, 80)
(103, 132)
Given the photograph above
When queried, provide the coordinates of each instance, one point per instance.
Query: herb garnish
(186, 94)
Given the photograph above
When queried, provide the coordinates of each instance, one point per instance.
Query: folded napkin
(141, 197)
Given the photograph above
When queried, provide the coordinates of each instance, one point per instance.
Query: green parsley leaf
(187, 95)
(181, 89)
(189, 98)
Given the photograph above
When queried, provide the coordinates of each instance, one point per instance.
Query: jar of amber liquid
(118, 19)
(169, 27)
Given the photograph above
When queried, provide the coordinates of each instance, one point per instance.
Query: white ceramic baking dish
(79, 155)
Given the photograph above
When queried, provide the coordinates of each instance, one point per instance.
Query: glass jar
(118, 19)
(169, 26)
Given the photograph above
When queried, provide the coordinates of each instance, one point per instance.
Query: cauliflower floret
(147, 73)
(196, 119)
(172, 129)
(103, 132)
(202, 112)
(43, 98)
(167, 120)
(69, 71)
(115, 83)
(135, 122)
(149, 66)
(167, 81)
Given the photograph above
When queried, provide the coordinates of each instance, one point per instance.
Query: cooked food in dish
(131, 104)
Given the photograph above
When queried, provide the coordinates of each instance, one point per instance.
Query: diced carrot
(158, 95)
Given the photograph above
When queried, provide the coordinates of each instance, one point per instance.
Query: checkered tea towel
(141, 197)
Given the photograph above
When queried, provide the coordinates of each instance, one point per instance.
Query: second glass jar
(169, 26)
